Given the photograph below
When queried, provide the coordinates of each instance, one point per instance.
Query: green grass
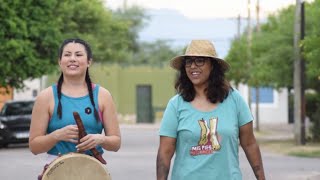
(288, 147)
(311, 154)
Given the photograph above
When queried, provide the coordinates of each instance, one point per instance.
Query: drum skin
(76, 166)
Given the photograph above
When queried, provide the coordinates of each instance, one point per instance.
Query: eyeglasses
(198, 61)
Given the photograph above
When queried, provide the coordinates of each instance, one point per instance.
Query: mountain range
(179, 30)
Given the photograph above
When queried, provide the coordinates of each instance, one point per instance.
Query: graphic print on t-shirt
(208, 142)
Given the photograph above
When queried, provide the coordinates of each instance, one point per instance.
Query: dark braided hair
(87, 77)
(217, 90)
(88, 81)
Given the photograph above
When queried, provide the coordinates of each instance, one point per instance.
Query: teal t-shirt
(85, 109)
(206, 142)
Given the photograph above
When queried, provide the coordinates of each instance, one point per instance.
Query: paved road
(137, 157)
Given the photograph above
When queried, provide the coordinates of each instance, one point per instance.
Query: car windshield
(17, 108)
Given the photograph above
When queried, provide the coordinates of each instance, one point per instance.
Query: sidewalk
(275, 132)
(282, 135)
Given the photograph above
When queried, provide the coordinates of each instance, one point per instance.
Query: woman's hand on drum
(90, 141)
(68, 133)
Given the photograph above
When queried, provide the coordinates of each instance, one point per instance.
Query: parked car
(15, 118)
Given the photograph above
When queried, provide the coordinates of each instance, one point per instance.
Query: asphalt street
(136, 160)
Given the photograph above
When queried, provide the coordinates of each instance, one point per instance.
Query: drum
(76, 166)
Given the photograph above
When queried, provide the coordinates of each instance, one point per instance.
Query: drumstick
(82, 133)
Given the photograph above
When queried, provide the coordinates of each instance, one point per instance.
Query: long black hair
(87, 77)
(218, 87)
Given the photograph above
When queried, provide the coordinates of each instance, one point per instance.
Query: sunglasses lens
(198, 61)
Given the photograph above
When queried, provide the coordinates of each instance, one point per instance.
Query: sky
(197, 12)
(204, 9)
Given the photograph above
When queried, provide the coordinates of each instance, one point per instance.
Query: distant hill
(180, 30)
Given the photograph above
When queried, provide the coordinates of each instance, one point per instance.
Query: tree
(238, 59)
(312, 45)
(31, 32)
(29, 38)
(272, 53)
(135, 18)
(148, 53)
(273, 48)
(108, 36)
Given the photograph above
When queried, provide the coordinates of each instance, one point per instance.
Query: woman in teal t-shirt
(204, 121)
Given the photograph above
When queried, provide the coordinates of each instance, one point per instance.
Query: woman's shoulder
(47, 91)
(175, 98)
(235, 95)
(46, 94)
(103, 92)
(234, 92)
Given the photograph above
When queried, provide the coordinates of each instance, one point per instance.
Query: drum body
(76, 166)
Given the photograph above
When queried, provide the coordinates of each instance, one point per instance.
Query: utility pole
(258, 15)
(299, 66)
(125, 4)
(249, 38)
(239, 26)
(257, 88)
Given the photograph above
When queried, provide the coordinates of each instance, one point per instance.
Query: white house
(31, 89)
(273, 106)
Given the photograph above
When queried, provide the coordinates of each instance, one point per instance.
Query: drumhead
(76, 166)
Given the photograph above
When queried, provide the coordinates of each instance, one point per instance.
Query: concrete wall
(270, 113)
(122, 82)
(31, 89)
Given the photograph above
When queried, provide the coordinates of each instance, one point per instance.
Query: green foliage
(312, 103)
(310, 154)
(272, 61)
(272, 51)
(135, 18)
(313, 112)
(90, 20)
(238, 60)
(312, 43)
(28, 38)
(316, 125)
(31, 32)
(273, 58)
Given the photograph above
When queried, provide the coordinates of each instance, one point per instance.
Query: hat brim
(176, 62)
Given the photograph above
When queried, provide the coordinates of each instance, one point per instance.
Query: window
(266, 95)
(17, 108)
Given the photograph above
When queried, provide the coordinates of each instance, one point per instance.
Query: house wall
(122, 83)
(31, 89)
(270, 113)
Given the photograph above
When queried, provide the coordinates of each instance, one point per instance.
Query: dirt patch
(286, 145)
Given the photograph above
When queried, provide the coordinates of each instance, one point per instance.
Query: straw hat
(200, 48)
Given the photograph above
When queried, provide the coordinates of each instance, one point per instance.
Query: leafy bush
(313, 112)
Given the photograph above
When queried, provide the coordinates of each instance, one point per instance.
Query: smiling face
(198, 70)
(74, 60)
